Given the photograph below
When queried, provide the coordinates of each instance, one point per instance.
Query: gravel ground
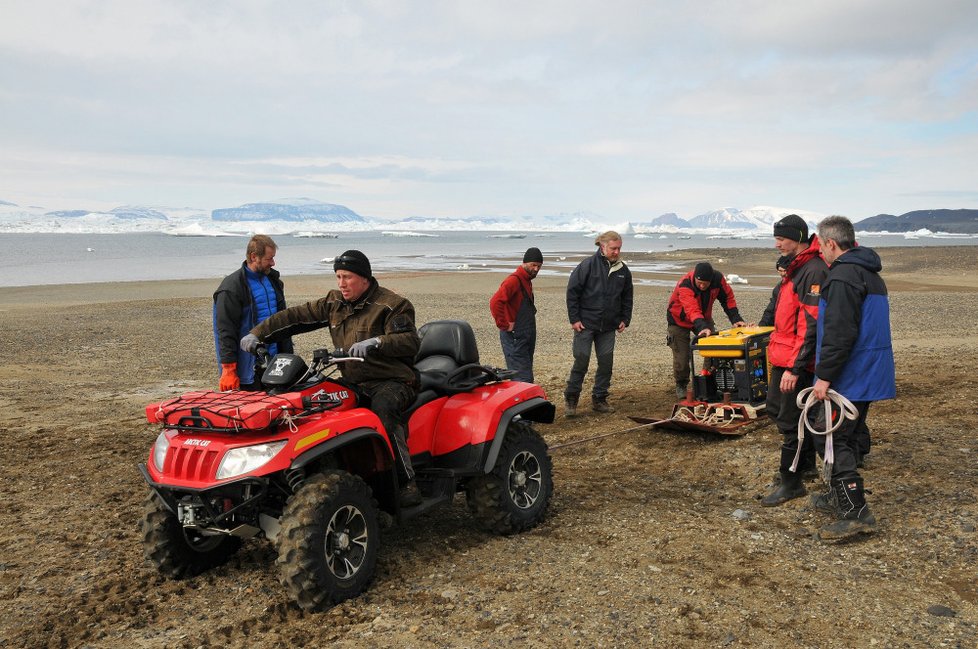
(652, 539)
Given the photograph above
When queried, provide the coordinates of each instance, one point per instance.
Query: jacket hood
(861, 256)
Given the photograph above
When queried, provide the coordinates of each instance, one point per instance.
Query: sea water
(32, 259)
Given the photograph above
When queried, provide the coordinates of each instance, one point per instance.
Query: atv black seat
(446, 345)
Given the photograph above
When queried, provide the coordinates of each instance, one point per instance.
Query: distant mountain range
(951, 221)
(304, 215)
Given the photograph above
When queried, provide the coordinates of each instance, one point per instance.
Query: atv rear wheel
(328, 542)
(177, 551)
(514, 496)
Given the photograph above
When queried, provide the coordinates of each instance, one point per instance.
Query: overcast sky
(629, 109)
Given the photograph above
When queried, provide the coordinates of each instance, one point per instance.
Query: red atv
(305, 464)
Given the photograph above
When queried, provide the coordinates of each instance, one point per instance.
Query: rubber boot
(853, 513)
(790, 488)
(807, 464)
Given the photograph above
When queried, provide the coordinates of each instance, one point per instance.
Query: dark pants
(604, 348)
(845, 444)
(863, 441)
(783, 410)
(389, 399)
(520, 343)
(678, 339)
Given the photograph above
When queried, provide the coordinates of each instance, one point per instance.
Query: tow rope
(806, 400)
(617, 432)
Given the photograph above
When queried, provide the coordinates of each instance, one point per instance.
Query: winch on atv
(306, 465)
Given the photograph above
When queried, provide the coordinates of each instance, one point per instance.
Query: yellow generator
(732, 362)
(729, 384)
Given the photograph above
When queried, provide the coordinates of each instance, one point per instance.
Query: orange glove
(229, 377)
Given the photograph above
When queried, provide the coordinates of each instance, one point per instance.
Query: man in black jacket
(246, 297)
(599, 306)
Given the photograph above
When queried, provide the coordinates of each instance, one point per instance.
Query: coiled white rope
(806, 400)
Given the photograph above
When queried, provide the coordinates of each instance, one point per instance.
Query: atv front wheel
(179, 551)
(514, 496)
(328, 542)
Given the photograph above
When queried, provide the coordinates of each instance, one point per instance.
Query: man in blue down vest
(246, 297)
(854, 357)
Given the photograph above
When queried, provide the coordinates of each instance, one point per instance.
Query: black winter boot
(853, 513)
(826, 503)
(790, 488)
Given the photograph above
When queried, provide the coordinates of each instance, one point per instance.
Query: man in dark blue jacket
(599, 306)
(246, 297)
(854, 357)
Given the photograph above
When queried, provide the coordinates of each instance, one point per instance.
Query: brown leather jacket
(379, 312)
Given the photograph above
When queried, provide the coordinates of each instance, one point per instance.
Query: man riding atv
(372, 323)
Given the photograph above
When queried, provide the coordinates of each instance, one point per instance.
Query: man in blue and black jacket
(854, 357)
(246, 297)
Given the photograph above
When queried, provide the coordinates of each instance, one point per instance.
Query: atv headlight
(160, 448)
(248, 458)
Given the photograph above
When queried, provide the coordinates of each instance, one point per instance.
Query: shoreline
(904, 268)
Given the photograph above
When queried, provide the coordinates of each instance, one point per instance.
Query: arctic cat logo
(279, 366)
(196, 442)
(331, 397)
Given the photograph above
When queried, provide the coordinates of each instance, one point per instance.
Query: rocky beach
(653, 538)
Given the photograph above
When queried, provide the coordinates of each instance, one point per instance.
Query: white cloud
(442, 107)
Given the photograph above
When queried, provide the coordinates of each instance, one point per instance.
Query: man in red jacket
(791, 350)
(515, 314)
(691, 312)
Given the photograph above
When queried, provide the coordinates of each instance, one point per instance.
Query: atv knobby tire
(514, 496)
(328, 542)
(180, 552)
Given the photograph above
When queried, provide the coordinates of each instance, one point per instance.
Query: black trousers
(782, 408)
(845, 444)
(389, 399)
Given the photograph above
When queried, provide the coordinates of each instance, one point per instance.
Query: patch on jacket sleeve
(401, 323)
(814, 290)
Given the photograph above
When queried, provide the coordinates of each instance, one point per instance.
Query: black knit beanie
(703, 272)
(792, 227)
(783, 262)
(533, 256)
(353, 261)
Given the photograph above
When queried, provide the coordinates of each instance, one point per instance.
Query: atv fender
(365, 450)
(535, 409)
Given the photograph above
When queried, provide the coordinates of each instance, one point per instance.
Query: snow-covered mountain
(760, 217)
(298, 209)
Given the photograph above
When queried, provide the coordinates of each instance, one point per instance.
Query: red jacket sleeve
(505, 302)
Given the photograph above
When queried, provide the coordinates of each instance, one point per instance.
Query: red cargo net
(230, 411)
